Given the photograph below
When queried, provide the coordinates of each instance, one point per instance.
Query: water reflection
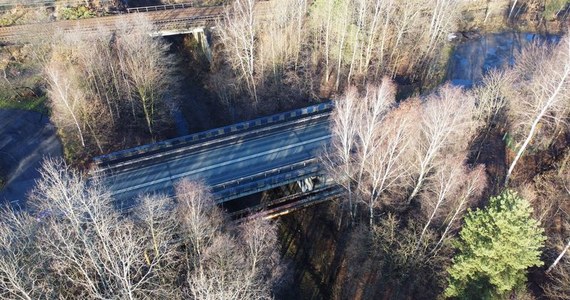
(474, 57)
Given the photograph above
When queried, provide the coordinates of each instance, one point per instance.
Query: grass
(37, 104)
(553, 7)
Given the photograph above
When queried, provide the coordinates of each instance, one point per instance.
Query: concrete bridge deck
(234, 161)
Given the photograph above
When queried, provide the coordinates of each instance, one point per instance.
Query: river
(473, 57)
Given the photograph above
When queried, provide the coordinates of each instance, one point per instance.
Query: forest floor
(26, 137)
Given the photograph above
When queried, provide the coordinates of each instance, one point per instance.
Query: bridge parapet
(217, 133)
(267, 180)
(160, 7)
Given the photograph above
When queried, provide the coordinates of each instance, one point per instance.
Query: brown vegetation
(413, 166)
(107, 84)
(74, 244)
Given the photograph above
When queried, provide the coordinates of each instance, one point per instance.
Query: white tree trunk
(559, 257)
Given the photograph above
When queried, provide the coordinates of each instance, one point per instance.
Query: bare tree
(446, 128)
(356, 123)
(67, 100)
(442, 189)
(564, 179)
(78, 245)
(493, 94)
(339, 159)
(281, 38)
(491, 102)
(238, 33)
(379, 148)
(560, 256)
(543, 93)
(102, 83)
(224, 261)
(558, 273)
(386, 169)
(20, 262)
(147, 68)
(88, 248)
(198, 214)
(233, 270)
(472, 187)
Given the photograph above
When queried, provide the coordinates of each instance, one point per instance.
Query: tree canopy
(497, 245)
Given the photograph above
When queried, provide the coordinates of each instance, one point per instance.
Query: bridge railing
(150, 149)
(288, 204)
(159, 7)
(279, 176)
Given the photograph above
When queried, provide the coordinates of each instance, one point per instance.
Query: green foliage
(75, 13)
(497, 245)
(6, 22)
(553, 7)
(24, 103)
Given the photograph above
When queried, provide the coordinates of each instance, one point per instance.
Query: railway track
(163, 19)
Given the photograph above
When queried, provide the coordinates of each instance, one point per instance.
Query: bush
(75, 13)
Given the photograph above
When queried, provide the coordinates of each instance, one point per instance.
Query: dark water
(474, 57)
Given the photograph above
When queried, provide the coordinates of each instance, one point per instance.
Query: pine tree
(497, 244)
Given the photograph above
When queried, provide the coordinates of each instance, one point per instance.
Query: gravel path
(25, 139)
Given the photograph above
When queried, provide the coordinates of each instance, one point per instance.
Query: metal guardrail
(325, 190)
(289, 204)
(159, 7)
(191, 139)
(264, 181)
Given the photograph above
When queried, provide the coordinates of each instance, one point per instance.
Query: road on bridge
(252, 154)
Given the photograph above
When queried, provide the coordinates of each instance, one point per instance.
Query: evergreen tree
(497, 244)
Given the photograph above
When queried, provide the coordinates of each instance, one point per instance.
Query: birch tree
(356, 132)
(238, 32)
(340, 160)
(67, 100)
(443, 188)
(147, 68)
(385, 168)
(446, 128)
(89, 249)
(472, 188)
(544, 95)
(199, 217)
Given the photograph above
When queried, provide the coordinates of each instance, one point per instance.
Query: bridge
(167, 20)
(234, 161)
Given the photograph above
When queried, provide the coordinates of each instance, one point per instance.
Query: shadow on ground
(26, 137)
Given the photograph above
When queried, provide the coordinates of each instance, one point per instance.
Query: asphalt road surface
(25, 139)
(222, 163)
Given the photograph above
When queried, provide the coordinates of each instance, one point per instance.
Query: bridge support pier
(202, 38)
(307, 184)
